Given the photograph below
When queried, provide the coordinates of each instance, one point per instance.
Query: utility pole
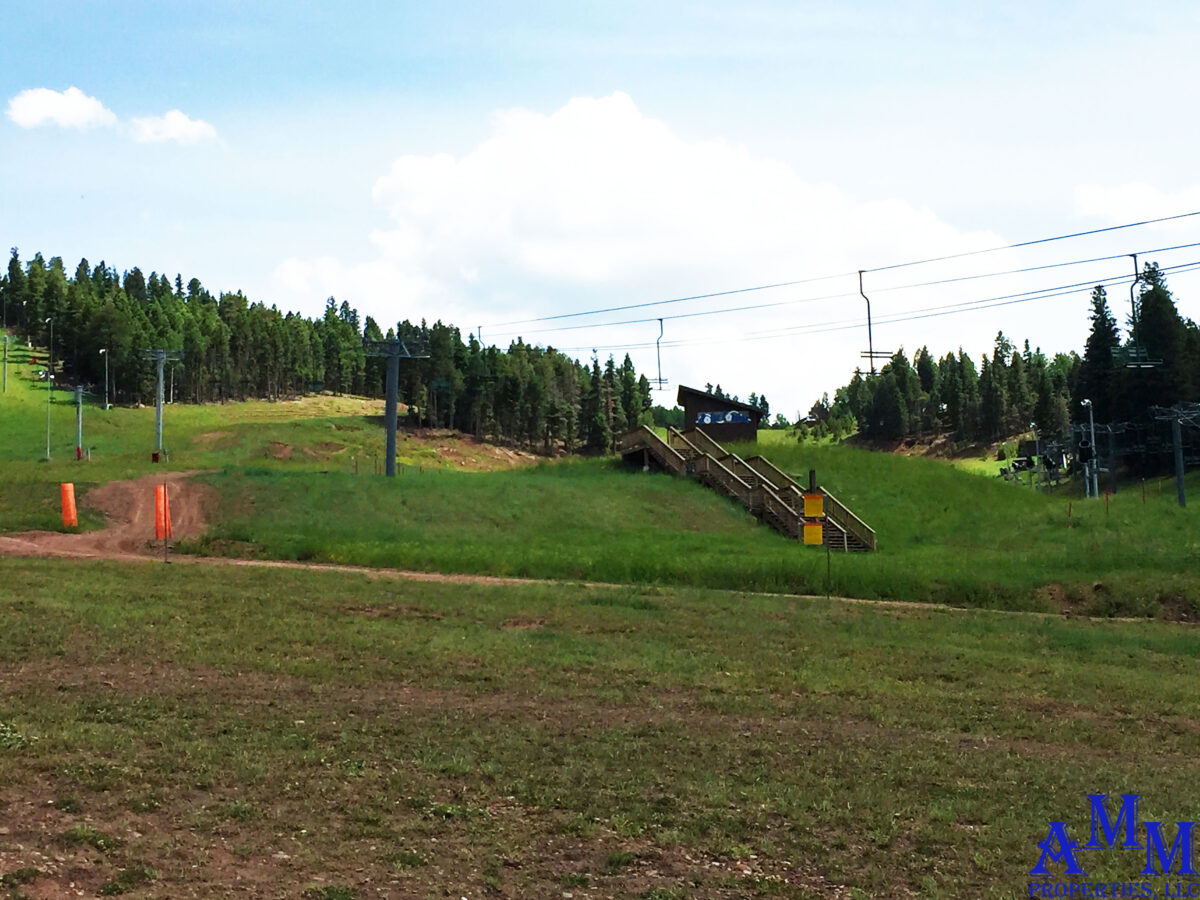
(393, 350)
(1179, 415)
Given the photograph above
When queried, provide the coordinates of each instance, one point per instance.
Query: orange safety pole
(160, 512)
(167, 509)
(69, 518)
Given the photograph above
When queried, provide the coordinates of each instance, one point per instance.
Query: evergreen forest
(1155, 364)
(234, 349)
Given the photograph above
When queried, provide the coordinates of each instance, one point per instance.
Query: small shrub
(68, 803)
(11, 738)
(330, 892)
(19, 877)
(98, 840)
(618, 860)
(128, 878)
(407, 859)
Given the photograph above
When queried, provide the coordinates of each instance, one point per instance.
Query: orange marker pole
(69, 518)
(162, 518)
(160, 511)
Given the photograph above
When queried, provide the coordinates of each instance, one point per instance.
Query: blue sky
(484, 163)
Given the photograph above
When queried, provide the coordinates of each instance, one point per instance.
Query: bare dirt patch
(129, 508)
(279, 450)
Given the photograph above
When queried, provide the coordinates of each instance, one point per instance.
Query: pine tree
(1096, 375)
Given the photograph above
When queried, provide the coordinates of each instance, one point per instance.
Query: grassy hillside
(944, 535)
(988, 541)
(315, 434)
(579, 519)
(258, 732)
(286, 475)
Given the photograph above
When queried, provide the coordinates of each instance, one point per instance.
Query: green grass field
(271, 733)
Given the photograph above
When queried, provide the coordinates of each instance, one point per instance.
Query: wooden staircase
(755, 483)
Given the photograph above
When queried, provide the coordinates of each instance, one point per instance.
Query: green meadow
(172, 729)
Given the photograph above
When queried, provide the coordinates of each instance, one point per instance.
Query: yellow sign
(812, 532)
(814, 506)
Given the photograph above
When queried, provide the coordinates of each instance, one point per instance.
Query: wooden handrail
(835, 510)
(700, 437)
(648, 438)
(673, 434)
(839, 513)
(727, 479)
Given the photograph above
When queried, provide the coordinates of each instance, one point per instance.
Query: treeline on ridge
(234, 349)
(1157, 364)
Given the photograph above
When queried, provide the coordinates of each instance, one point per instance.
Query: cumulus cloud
(1134, 201)
(71, 108)
(173, 126)
(599, 204)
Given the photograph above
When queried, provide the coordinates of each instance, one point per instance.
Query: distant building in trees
(721, 418)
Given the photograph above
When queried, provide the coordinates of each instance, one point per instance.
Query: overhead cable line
(848, 294)
(609, 309)
(902, 316)
(1060, 237)
(900, 265)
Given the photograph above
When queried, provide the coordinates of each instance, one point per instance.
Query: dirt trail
(129, 508)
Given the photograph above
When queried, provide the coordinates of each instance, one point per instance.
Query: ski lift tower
(393, 350)
(159, 358)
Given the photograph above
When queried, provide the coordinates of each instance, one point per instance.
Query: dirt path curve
(128, 507)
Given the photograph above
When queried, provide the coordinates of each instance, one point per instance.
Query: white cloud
(1135, 201)
(598, 204)
(173, 126)
(71, 108)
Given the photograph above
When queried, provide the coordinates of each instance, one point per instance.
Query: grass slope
(578, 519)
(216, 730)
(949, 535)
(944, 535)
(289, 492)
(315, 434)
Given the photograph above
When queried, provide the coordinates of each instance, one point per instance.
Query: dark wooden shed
(721, 418)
